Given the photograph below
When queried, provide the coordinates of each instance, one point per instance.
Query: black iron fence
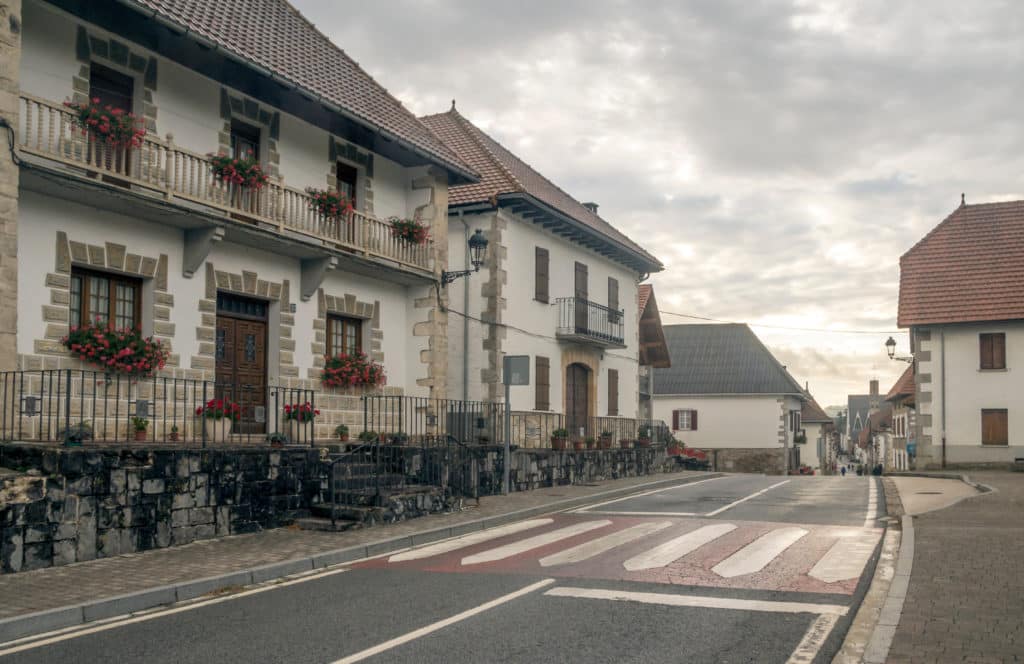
(87, 407)
(583, 318)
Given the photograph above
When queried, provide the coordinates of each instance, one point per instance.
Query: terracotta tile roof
(645, 294)
(968, 268)
(810, 411)
(904, 385)
(504, 173)
(273, 35)
(878, 421)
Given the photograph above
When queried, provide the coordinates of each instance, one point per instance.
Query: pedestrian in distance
(842, 471)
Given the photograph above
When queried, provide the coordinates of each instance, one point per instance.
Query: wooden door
(582, 296)
(242, 368)
(577, 399)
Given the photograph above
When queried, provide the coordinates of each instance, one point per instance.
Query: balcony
(583, 321)
(160, 170)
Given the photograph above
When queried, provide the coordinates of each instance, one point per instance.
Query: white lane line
(743, 500)
(614, 513)
(467, 540)
(872, 511)
(814, 639)
(846, 558)
(46, 639)
(699, 601)
(648, 493)
(515, 548)
(588, 550)
(756, 555)
(441, 624)
(663, 554)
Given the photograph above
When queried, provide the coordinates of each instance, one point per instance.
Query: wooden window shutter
(542, 384)
(986, 351)
(541, 278)
(675, 420)
(613, 294)
(994, 429)
(613, 392)
(693, 420)
(999, 351)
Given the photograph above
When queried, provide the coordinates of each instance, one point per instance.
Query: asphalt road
(744, 568)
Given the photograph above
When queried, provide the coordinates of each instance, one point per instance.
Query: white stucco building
(246, 288)
(560, 285)
(726, 392)
(817, 431)
(962, 299)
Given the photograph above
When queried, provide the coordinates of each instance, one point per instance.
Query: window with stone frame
(344, 336)
(111, 87)
(105, 298)
(348, 176)
(245, 139)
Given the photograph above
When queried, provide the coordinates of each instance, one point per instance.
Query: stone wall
(746, 460)
(79, 504)
(10, 58)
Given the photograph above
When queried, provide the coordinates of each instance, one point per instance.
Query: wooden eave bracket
(198, 244)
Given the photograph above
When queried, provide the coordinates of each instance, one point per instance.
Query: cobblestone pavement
(55, 587)
(966, 596)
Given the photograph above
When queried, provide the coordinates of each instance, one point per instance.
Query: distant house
(962, 300)
(726, 392)
(875, 441)
(817, 429)
(904, 421)
(858, 408)
(653, 348)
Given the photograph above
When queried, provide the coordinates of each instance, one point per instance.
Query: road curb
(877, 651)
(31, 624)
(963, 477)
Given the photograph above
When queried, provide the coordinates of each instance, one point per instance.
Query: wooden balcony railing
(47, 130)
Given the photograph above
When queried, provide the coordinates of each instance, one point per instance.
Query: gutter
(942, 341)
(465, 311)
(309, 94)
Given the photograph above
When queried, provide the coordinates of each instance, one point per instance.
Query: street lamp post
(890, 348)
(477, 250)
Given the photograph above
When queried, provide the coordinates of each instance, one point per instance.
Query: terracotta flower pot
(559, 443)
(578, 445)
(625, 443)
(604, 442)
(173, 436)
(643, 442)
(140, 436)
(343, 437)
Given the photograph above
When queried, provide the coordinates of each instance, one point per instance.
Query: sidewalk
(965, 602)
(97, 589)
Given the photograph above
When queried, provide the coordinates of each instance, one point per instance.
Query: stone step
(324, 524)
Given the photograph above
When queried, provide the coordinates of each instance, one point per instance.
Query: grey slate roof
(720, 359)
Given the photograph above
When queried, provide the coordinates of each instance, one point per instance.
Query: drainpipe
(942, 342)
(465, 310)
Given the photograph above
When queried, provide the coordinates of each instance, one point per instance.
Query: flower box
(123, 351)
(352, 371)
(412, 231)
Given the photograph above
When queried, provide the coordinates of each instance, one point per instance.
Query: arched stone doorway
(577, 399)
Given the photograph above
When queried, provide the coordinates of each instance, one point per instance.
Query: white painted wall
(810, 452)
(727, 421)
(970, 389)
(532, 323)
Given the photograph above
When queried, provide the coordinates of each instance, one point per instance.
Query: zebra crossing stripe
(596, 547)
(468, 540)
(756, 555)
(537, 541)
(845, 559)
(674, 549)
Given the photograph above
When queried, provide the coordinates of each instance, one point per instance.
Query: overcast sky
(778, 157)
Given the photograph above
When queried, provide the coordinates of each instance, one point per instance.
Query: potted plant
(110, 129)
(174, 434)
(368, 437)
(341, 431)
(299, 419)
(355, 370)
(329, 203)
(218, 415)
(277, 439)
(605, 441)
(578, 444)
(412, 231)
(675, 447)
(398, 438)
(239, 174)
(643, 436)
(625, 443)
(76, 434)
(559, 439)
(800, 437)
(114, 350)
(139, 426)
(591, 442)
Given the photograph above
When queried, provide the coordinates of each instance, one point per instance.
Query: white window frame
(685, 419)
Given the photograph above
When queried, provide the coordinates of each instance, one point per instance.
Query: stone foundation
(748, 460)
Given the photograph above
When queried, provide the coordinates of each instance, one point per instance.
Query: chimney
(591, 206)
(874, 387)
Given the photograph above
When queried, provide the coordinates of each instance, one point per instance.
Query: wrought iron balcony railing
(47, 130)
(585, 321)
